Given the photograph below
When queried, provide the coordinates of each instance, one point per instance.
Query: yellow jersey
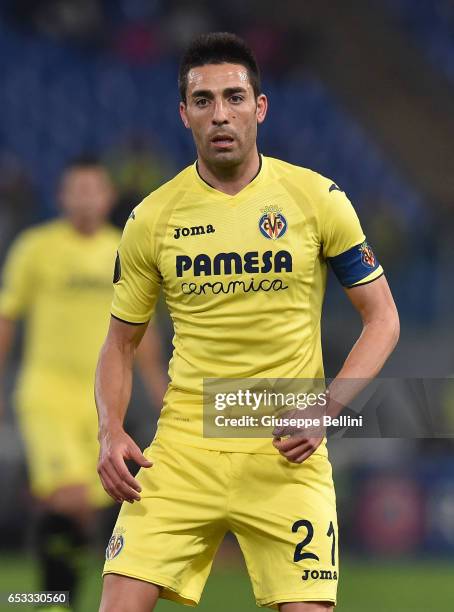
(244, 278)
(60, 282)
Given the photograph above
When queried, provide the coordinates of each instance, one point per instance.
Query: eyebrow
(207, 93)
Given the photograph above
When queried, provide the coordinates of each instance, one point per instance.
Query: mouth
(221, 141)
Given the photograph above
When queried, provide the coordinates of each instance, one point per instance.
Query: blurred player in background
(240, 242)
(58, 278)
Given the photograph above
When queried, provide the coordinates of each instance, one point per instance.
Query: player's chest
(74, 269)
(259, 240)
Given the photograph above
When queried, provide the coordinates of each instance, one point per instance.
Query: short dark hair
(218, 48)
(83, 162)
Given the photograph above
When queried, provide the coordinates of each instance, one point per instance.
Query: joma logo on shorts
(195, 230)
(319, 575)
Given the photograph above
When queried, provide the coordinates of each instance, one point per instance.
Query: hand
(302, 440)
(297, 449)
(115, 447)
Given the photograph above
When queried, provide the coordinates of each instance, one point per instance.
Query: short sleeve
(137, 280)
(18, 277)
(343, 241)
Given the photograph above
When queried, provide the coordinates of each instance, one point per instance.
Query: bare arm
(379, 336)
(7, 333)
(151, 365)
(112, 392)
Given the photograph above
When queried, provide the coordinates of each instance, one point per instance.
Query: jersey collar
(254, 181)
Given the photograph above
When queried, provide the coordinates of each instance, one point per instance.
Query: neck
(85, 227)
(232, 179)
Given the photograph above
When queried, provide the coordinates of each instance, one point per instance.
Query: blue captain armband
(355, 265)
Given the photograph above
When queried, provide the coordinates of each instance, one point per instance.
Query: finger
(305, 455)
(126, 492)
(289, 455)
(288, 443)
(311, 447)
(124, 474)
(129, 494)
(110, 488)
(136, 455)
(110, 485)
(292, 455)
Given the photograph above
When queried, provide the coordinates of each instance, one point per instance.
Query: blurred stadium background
(362, 92)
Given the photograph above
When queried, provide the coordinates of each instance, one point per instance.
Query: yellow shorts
(283, 515)
(61, 445)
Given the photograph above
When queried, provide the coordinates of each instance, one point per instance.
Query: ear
(262, 107)
(184, 115)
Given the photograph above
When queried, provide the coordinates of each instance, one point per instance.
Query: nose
(220, 116)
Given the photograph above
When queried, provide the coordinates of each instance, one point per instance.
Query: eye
(236, 98)
(201, 102)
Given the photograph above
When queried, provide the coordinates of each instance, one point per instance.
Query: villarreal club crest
(367, 255)
(115, 545)
(272, 223)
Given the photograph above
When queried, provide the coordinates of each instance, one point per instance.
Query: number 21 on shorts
(300, 553)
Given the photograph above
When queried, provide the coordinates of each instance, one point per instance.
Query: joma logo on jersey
(319, 575)
(195, 230)
(273, 225)
(233, 263)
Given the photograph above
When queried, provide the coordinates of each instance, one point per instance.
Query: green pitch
(372, 586)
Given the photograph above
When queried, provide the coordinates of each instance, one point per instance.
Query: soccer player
(58, 277)
(240, 244)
